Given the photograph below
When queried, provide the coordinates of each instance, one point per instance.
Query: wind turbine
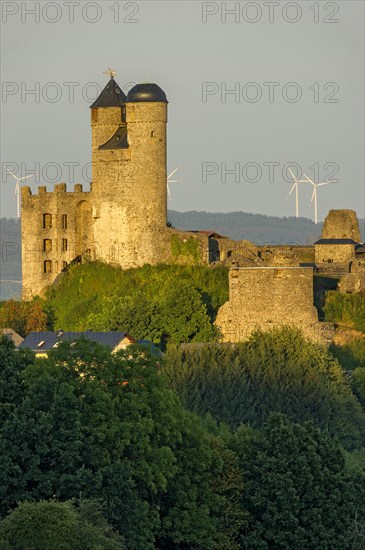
(296, 187)
(314, 194)
(172, 181)
(17, 188)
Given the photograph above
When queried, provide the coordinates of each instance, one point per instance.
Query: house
(12, 335)
(41, 343)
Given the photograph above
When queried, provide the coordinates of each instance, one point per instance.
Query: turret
(107, 115)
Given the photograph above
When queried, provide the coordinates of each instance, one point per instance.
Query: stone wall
(353, 283)
(56, 227)
(341, 224)
(266, 298)
(286, 255)
(334, 253)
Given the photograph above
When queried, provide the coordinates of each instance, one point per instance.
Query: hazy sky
(295, 71)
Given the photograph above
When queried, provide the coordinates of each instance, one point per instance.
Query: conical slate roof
(111, 96)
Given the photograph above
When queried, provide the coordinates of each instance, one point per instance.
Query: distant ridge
(258, 228)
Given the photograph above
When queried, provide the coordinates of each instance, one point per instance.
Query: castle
(122, 220)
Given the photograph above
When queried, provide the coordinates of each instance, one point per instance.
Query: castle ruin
(266, 298)
(122, 221)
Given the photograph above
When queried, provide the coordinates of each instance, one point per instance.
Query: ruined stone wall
(268, 297)
(57, 239)
(286, 255)
(341, 224)
(246, 253)
(353, 283)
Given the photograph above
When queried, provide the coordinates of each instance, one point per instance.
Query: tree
(273, 371)
(91, 424)
(296, 488)
(176, 313)
(23, 317)
(52, 525)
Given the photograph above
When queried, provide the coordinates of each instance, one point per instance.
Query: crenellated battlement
(59, 189)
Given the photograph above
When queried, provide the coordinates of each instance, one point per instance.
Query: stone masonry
(122, 219)
(267, 298)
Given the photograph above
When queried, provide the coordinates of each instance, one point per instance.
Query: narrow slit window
(47, 221)
(47, 245)
(64, 245)
(47, 266)
(64, 221)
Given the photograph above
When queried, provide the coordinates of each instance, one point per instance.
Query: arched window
(47, 266)
(47, 245)
(47, 221)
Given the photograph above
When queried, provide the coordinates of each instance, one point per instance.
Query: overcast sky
(296, 70)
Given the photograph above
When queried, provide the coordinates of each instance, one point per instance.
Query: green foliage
(350, 355)
(52, 525)
(358, 384)
(274, 371)
(187, 248)
(91, 424)
(345, 309)
(160, 303)
(12, 366)
(296, 488)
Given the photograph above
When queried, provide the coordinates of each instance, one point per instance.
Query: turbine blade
(172, 173)
(308, 179)
(290, 170)
(291, 190)
(168, 191)
(313, 194)
(324, 183)
(14, 176)
(26, 177)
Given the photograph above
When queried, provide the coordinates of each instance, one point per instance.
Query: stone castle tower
(122, 219)
(129, 173)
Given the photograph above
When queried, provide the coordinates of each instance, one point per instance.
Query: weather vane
(110, 72)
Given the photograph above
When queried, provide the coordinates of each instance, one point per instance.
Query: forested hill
(257, 228)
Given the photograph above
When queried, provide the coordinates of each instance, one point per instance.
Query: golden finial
(110, 72)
